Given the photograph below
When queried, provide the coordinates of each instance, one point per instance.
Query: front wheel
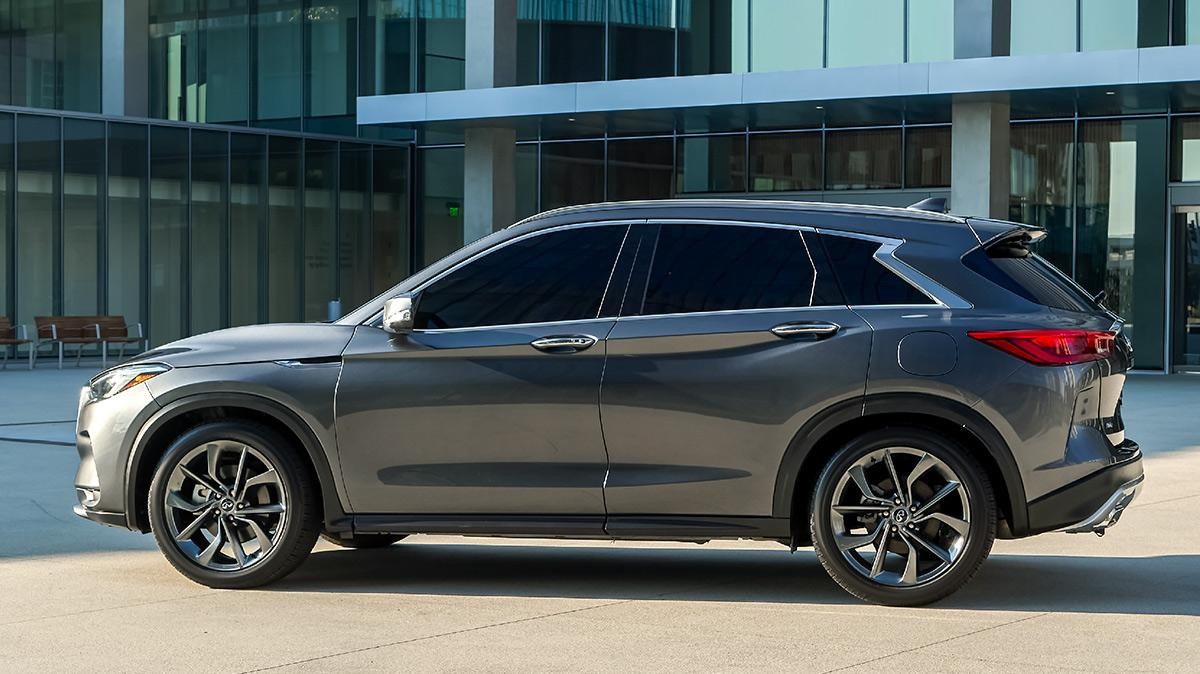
(903, 517)
(233, 506)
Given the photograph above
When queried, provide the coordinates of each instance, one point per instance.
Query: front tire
(232, 505)
(903, 517)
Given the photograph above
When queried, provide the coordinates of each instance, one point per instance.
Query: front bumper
(1092, 503)
(103, 437)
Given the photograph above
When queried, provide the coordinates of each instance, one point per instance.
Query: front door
(1186, 309)
(491, 405)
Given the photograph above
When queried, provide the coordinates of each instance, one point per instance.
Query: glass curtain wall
(50, 54)
(187, 230)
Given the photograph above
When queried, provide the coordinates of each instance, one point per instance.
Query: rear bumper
(1090, 504)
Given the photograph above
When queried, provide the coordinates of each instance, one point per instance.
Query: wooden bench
(84, 331)
(13, 336)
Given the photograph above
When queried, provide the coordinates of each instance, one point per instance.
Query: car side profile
(894, 387)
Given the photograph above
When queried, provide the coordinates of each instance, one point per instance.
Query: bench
(13, 336)
(87, 330)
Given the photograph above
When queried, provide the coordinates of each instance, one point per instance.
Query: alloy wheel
(900, 517)
(225, 505)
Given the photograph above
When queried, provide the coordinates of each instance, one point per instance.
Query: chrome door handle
(809, 330)
(563, 343)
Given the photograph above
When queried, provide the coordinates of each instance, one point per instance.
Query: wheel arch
(174, 418)
(832, 428)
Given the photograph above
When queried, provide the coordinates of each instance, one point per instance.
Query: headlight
(118, 379)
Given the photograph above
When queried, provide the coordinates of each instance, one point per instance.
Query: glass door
(1186, 308)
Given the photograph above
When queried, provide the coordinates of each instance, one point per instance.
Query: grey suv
(894, 387)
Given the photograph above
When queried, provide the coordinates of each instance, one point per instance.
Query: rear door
(729, 340)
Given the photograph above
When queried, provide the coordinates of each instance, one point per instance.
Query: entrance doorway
(1186, 310)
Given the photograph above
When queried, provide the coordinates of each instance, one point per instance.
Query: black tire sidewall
(981, 534)
(300, 529)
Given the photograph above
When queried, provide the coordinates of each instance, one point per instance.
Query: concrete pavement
(77, 596)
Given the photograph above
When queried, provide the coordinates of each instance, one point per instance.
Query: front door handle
(563, 343)
(806, 330)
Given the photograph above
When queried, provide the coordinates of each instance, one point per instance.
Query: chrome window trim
(512, 326)
(723, 312)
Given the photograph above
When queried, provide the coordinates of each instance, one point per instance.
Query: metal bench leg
(121, 354)
(104, 355)
(4, 365)
(60, 355)
(32, 354)
(78, 354)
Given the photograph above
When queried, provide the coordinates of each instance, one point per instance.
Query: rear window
(1030, 276)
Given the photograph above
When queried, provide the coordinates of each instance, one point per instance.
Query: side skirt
(617, 527)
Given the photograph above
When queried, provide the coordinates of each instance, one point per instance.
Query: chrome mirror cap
(398, 315)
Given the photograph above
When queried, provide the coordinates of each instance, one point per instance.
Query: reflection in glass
(391, 233)
(247, 223)
(1107, 207)
(126, 246)
(278, 37)
(441, 203)
(34, 67)
(640, 169)
(930, 30)
(641, 39)
(225, 68)
(206, 247)
(927, 157)
(1187, 227)
(36, 216)
(786, 162)
(1042, 182)
(866, 159)
(385, 48)
(1108, 24)
(330, 65)
(710, 164)
(174, 55)
(168, 232)
(354, 225)
(6, 178)
(320, 227)
(713, 36)
(83, 214)
(529, 30)
(1185, 149)
(443, 29)
(79, 54)
(787, 34)
(1186, 22)
(573, 41)
(283, 230)
(1043, 26)
(572, 173)
(526, 159)
(866, 32)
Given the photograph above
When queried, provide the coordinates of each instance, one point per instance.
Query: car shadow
(1164, 585)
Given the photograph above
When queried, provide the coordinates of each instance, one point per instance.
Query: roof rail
(933, 204)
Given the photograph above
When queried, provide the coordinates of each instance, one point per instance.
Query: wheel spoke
(191, 529)
(266, 509)
(910, 565)
(264, 540)
(241, 473)
(923, 465)
(206, 555)
(177, 501)
(860, 479)
(214, 458)
(856, 509)
(239, 553)
(958, 525)
(881, 552)
(941, 554)
(854, 541)
(891, 466)
(268, 477)
(951, 487)
(203, 482)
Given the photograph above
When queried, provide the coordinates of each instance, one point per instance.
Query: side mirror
(398, 314)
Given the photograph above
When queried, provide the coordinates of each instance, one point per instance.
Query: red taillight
(1050, 347)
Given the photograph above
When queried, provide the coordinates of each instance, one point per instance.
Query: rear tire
(903, 517)
(232, 505)
(364, 541)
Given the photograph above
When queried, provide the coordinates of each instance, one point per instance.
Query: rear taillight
(1050, 347)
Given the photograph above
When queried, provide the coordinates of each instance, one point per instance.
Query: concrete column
(125, 58)
(982, 28)
(489, 170)
(979, 156)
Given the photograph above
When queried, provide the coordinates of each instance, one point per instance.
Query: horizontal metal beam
(978, 75)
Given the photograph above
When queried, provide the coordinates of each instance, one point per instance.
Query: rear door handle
(563, 343)
(806, 330)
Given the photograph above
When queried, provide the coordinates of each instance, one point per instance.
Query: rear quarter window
(864, 280)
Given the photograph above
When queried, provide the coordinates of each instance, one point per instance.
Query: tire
(960, 524)
(364, 541)
(271, 507)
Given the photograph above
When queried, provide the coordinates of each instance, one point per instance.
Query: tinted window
(716, 268)
(1031, 277)
(864, 280)
(559, 276)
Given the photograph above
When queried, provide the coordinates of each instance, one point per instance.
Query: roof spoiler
(1015, 242)
(932, 204)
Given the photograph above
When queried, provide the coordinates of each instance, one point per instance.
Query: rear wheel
(903, 517)
(232, 506)
(364, 541)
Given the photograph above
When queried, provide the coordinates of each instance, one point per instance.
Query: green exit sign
(453, 210)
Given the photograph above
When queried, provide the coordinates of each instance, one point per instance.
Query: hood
(254, 344)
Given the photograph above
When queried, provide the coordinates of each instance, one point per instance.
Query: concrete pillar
(489, 170)
(982, 28)
(979, 156)
(125, 58)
